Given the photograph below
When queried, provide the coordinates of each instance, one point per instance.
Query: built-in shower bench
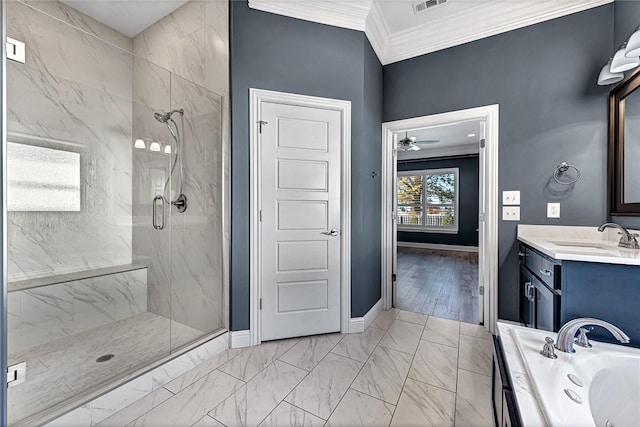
(48, 308)
(21, 285)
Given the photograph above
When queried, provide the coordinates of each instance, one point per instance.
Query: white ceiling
(453, 139)
(397, 33)
(128, 17)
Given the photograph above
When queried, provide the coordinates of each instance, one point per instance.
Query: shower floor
(61, 369)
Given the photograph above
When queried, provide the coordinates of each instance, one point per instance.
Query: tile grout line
(259, 372)
(455, 400)
(303, 378)
(354, 378)
(407, 376)
(172, 393)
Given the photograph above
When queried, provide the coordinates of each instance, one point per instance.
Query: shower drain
(105, 358)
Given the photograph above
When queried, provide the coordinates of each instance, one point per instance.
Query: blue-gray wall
(551, 110)
(468, 198)
(274, 52)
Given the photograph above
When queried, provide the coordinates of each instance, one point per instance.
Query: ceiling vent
(422, 5)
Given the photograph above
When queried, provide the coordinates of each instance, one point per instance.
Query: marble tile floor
(60, 369)
(406, 369)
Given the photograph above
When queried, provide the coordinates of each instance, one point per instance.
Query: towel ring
(562, 168)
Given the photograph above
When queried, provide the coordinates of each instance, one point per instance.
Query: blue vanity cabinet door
(609, 292)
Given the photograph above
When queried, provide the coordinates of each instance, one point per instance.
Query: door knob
(333, 232)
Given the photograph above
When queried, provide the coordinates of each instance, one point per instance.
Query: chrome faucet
(627, 241)
(567, 333)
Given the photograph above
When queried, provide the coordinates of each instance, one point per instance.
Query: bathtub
(598, 386)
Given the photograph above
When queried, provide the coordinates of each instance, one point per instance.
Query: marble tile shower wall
(88, 85)
(40, 315)
(74, 93)
(192, 44)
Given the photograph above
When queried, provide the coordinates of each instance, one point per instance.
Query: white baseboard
(457, 248)
(360, 324)
(239, 339)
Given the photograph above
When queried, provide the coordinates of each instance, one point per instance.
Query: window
(42, 179)
(428, 200)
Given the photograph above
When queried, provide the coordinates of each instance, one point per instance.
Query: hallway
(438, 283)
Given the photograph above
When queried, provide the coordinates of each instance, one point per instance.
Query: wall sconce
(155, 146)
(167, 149)
(606, 77)
(626, 58)
(633, 45)
(621, 63)
(140, 143)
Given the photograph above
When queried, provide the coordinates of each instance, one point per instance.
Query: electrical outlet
(553, 210)
(511, 213)
(511, 198)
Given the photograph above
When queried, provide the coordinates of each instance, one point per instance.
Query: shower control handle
(155, 213)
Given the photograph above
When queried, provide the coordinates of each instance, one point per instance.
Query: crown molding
(377, 31)
(474, 23)
(350, 14)
(477, 23)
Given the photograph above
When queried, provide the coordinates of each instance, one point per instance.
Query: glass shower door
(196, 252)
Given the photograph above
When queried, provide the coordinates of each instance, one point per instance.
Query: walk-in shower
(109, 272)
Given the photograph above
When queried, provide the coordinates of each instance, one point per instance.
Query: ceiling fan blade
(428, 141)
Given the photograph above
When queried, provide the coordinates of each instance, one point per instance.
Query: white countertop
(530, 412)
(578, 243)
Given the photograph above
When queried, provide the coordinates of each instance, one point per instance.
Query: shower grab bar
(155, 213)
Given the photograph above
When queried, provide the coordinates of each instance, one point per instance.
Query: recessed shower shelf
(21, 285)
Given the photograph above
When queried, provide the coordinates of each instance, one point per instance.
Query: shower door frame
(3, 269)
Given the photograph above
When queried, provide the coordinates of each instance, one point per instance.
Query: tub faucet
(627, 241)
(567, 333)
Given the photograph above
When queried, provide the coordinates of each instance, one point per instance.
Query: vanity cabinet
(505, 406)
(540, 290)
(553, 291)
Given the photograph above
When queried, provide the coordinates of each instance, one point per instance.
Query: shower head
(164, 117)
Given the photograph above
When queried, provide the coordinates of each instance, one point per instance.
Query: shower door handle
(155, 213)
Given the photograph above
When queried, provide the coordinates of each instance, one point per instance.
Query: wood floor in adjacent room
(438, 283)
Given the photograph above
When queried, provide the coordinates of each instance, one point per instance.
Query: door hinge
(394, 277)
(260, 303)
(481, 290)
(482, 142)
(16, 374)
(260, 216)
(16, 50)
(260, 124)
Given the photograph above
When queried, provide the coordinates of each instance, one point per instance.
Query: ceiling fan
(410, 144)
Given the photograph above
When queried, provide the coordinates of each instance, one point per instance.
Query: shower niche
(115, 168)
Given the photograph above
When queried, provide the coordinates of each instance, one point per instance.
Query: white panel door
(300, 205)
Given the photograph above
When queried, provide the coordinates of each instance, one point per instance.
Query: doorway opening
(437, 213)
(440, 215)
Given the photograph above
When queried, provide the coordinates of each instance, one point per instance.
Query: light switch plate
(511, 198)
(553, 210)
(511, 213)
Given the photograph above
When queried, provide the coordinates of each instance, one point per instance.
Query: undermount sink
(582, 245)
